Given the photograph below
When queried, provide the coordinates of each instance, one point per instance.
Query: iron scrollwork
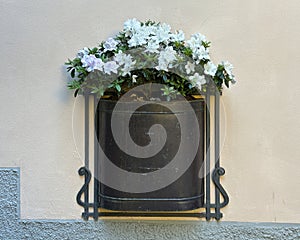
(211, 209)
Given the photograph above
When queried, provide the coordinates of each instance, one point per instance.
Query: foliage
(145, 52)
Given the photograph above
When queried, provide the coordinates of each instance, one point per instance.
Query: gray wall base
(12, 227)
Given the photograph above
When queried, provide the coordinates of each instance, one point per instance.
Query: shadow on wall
(62, 94)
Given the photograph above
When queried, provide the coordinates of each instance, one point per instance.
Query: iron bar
(150, 214)
(207, 156)
(86, 144)
(214, 176)
(83, 171)
(96, 157)
(217, 150)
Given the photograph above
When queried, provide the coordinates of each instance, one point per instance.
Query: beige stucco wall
(261, 151)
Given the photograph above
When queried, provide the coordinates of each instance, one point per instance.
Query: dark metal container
(185, 193)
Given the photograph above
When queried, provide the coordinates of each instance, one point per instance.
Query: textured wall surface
(9, 202)
(13, 228)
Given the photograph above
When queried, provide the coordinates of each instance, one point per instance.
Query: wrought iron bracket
(212, 209)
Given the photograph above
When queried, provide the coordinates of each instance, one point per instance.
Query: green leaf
(118, 87)
(76, 92)
(226, 82)
(73, 73)
(165, 78)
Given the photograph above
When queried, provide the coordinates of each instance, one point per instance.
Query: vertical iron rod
(207, 163)
(96, 156)
(86, 147)
(217, 150)
(216, 179)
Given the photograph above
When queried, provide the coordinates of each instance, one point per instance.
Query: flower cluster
(148, 52)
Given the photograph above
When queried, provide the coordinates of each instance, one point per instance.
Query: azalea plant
(146, 52)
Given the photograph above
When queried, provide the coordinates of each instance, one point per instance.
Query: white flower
(137, 39)
(131, 25)
(83, 52)
(162, 66)
(119, 57)
(193, 43)
(197, 80)
(152, 47)
(110, 67)
(110, 45)
(201, 38)
(210, 69)
(140, 35)
(126, 60)
(122, 58)
(189, 67)
(168, 54)
(146, 31)
(228, 68)
(162, 33)
(201, 53)
(91, 63)
(165, 59)
(178, 36)
(150, 30)
(196, 40)
(126, 70)
(128, 66)
(134, 78)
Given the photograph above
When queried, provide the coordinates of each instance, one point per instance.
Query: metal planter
(185, 193)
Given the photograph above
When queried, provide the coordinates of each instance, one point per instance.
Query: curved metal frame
(212, 210)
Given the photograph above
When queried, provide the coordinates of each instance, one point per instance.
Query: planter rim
(107, 105)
